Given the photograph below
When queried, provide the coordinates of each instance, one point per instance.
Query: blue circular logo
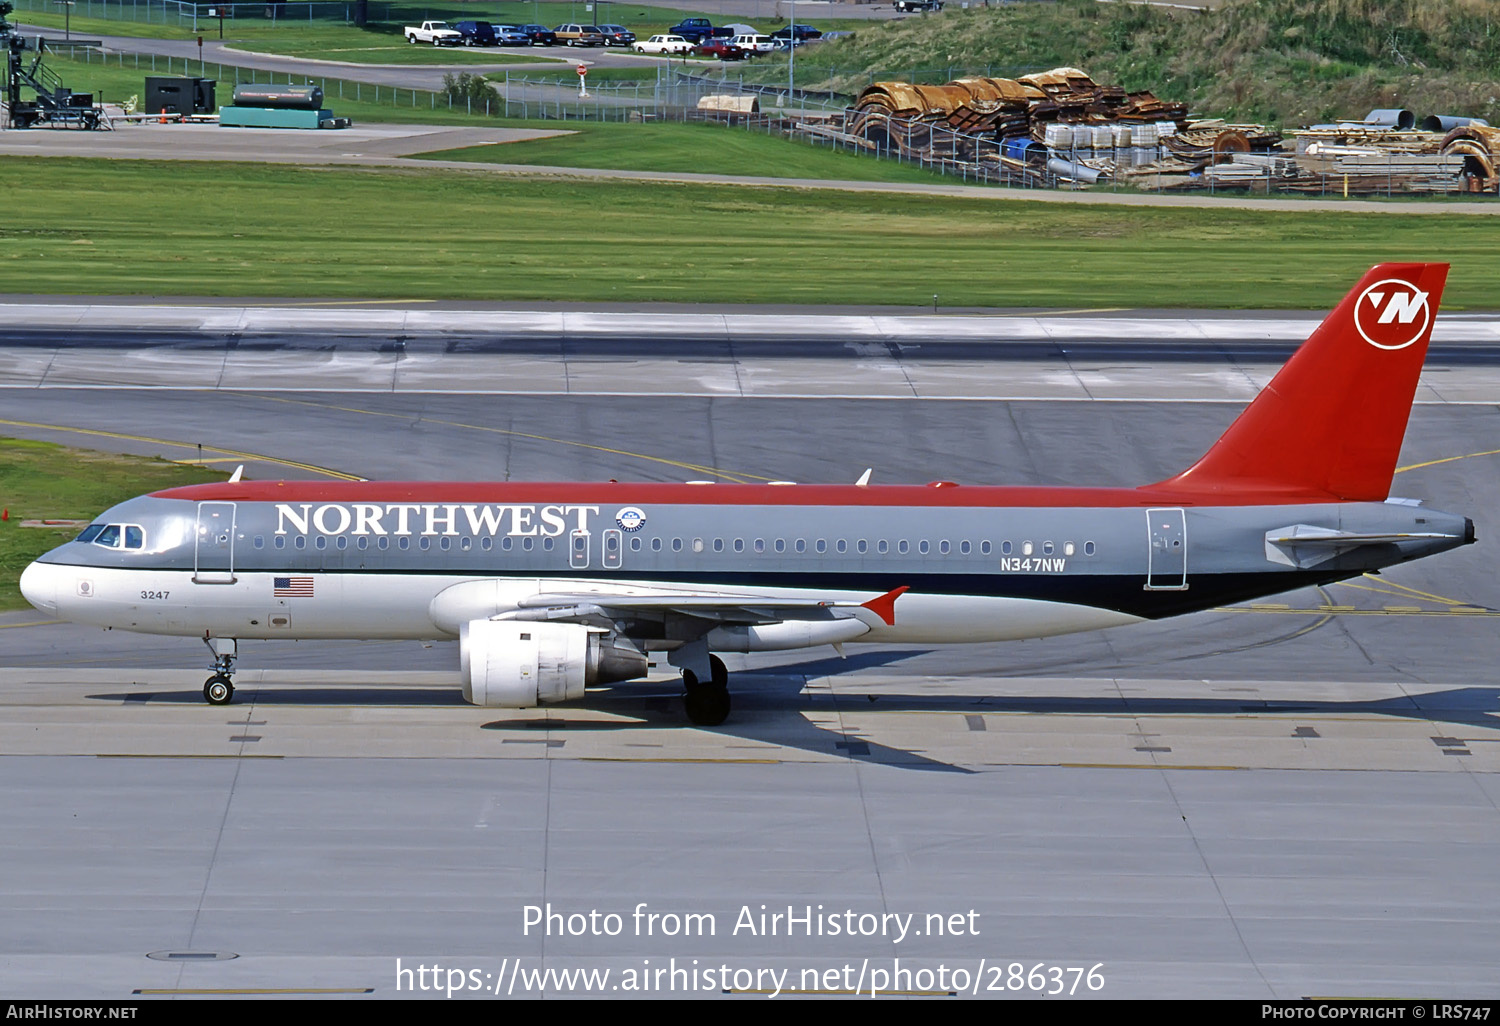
(631, 518)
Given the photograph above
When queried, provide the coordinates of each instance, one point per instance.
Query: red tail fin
(1330, 423)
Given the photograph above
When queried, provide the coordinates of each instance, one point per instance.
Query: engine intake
(515, 664)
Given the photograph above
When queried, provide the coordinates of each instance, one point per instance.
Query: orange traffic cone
(5, 514)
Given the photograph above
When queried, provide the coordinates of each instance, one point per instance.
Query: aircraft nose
(39, 586)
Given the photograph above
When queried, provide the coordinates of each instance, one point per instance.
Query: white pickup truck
(435, 32)
(908, 6)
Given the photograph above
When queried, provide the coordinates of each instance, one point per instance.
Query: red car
(720, 49)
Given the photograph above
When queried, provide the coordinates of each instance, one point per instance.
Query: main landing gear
(219, 689)
(707, 702)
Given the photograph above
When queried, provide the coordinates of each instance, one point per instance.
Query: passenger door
(213, 548)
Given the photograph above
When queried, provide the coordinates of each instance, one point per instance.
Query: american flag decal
(292, 587)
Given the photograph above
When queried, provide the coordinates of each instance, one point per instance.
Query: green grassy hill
(1288, 62)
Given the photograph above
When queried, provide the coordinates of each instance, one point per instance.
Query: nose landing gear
(219, 689)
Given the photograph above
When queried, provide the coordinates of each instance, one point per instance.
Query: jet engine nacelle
(515, 664)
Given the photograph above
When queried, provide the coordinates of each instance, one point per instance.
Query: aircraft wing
(714, 609)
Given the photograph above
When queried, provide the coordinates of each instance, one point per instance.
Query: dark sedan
(799, 32)
(617, 35)
(540, 35)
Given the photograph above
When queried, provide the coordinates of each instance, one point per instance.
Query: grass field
(701, 148)
(264, 230)
(40, 481)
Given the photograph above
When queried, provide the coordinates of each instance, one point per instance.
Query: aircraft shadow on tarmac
(771, 707)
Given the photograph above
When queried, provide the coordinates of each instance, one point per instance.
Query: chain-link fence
(196, 15)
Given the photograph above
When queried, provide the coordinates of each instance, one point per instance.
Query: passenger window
(739, 545)
(422, 543)
(697, 544)
(943, 546)
(923, 546)
(963, 547)
(1088, 548)
(1067, 548)
(1046, 548)
(822, 545)
(841, 545)
(109, 537)
(903, 546)
(260, 541)
(465, 544)
(383, 543)
(984, 548)
(527, 543)
(364, 543)
(322, 542)
(1005, 548)
(343, 542)
(676, 544)
(718, 544)
(635, 545)
(443, 542)
(281, 543)
(1026, 548)
(301, 541)
(801, 545)
(862, 545)
(780, 544)
(882, 546)
(546, 544)
(486, 544)
(760, 545)
(655, 544)
(404, 543)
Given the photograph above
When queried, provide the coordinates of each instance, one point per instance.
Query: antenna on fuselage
(864, 479)
(238, 472)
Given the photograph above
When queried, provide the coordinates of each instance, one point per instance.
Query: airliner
(553, 587)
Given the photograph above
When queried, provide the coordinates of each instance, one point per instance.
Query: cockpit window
(115, 536)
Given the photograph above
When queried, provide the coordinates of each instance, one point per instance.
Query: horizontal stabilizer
(1303, 545)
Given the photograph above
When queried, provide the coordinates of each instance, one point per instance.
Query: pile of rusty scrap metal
(1061, 127)
(1383, 154)
(993, 122)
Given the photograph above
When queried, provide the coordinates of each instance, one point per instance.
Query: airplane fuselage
(368, 560)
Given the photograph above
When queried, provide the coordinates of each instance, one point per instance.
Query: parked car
(579, 35)
(801, 33)
(907, 6)
(617, 35)
(540, 35)
(476, 33)
(720, 49)
(663, 44)
(754, 44)
(511, 35)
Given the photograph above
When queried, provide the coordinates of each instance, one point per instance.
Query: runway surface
(1290, 798)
